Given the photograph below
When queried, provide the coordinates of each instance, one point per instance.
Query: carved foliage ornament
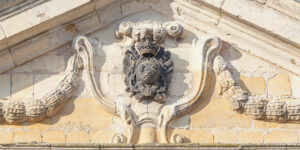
(148, 65)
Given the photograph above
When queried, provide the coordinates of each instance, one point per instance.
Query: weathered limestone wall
(82, 120)
(212, 121)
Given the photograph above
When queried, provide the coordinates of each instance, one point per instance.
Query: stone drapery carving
(147, 65)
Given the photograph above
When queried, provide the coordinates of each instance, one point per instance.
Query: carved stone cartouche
(147, 65)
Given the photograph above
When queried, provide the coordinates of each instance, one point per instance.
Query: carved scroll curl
(207, 49)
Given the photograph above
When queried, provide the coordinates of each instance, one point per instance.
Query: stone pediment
(20, 44)
(202, 66)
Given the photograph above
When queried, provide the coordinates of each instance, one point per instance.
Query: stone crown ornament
(147, 65)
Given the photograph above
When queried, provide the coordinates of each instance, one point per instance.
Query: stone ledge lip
(145, 146)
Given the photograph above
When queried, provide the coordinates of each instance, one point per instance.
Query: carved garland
(18, 111)
(257, 108)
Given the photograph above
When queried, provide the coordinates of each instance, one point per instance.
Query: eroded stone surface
(211, 121)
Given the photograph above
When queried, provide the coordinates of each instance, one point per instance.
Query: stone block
(289, 126)
(260, 124)
(251, 137)
(22, 86)
(216, 113)
(281, 136)
(44, 83)
(54, 137)
(254, 85)
(101, 136)
(295, 81)
(133, 7)
(5, 80)
(37, 15)
(109, 64)
(2, 35)
(216, 3)
(116, 84)
(100, 4)
(112, 50)
(77, 137)
(279, 85)
(3, 45)
(201, 136)
(288, 7)
(182, 57)
(162, 6)
(7, 137)
(225, 136)
(87, 24)
(50, 63)
(110, 13)
(29, 136)
(6, 61)
(182, 122)
(40, 45)
(180, 84)
(72, 115)
(264, 17)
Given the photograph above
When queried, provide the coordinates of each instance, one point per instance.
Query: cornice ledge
(239, 23)
(150, 146)
(212, 17)
(41, 16)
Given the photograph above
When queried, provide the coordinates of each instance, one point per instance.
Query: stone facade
(235, 73)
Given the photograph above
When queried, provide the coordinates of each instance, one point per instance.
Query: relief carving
(148, 68)
(147, 65)
(257, 107)
(15, 111)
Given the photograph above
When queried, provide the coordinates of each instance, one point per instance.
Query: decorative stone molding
(178, 138)
(219, 19)
(118, 139)
(146, 50)
(146, 38)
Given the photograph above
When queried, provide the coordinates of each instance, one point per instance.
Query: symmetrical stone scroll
(17, 111)
(257, 108)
